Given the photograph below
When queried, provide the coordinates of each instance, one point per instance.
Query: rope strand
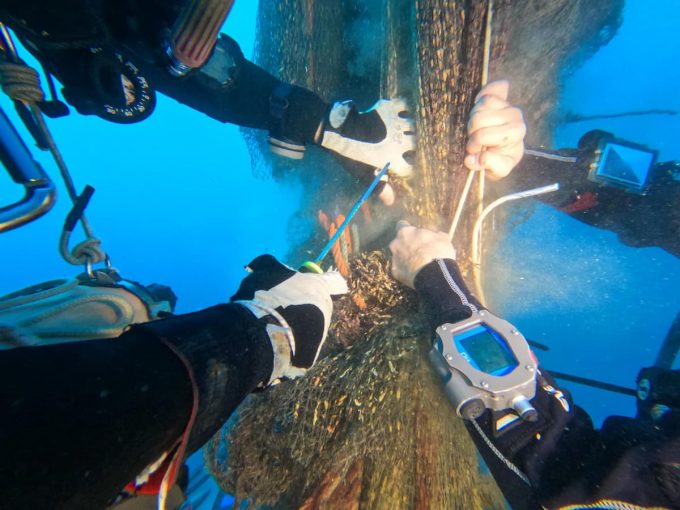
(471, 173)
(22, 83)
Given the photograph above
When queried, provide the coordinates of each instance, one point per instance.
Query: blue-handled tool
(313, 266)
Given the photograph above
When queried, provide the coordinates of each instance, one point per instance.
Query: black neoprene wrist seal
(443, 292)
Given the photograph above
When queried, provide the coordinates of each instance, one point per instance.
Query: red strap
(162, 480)
(153, 485)
(583, 202)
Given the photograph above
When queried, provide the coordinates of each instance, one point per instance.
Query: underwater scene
(251, 148)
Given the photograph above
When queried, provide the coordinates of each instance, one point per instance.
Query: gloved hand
(413, 248)
(298, 309)
(383, 134)
(104, 82)
(495, 132)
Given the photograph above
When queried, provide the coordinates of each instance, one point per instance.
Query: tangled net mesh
(369, 425)
(323, 435)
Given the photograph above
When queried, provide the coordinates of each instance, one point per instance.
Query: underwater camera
(622, 164)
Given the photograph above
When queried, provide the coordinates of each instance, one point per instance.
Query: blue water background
(176, 200)
(603, 308)
(177, 203)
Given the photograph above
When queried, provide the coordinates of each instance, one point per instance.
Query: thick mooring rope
(476, 268)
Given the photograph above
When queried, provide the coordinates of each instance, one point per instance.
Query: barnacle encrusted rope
(471, 174)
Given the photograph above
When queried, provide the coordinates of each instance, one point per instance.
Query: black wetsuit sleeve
(562, 457)
(81, 420)
(442, 297)
(652, 219)
(246, 101)
(137, 31)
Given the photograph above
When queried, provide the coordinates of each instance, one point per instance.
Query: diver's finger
(387, 195)
(488, 118)
(394, 246)
(499, 164)
(493, 160)
(471, 161)
(498, 88)
(489, 103)
(496, 136)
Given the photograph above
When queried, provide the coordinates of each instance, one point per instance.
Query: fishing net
(369, 426)
(348, 432)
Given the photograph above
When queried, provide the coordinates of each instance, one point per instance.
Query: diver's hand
(383, 134)
(496, 132)
(297, 307)
(413, 248)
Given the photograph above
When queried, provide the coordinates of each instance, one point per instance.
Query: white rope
(477, 231)
(549, 155)
(471, 174)
(487, 43)
(461, 204)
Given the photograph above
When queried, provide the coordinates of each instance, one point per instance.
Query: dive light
(195, 34)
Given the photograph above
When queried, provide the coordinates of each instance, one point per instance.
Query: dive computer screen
(485, 350)
(625, 165)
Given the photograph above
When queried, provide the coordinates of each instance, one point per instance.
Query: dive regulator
(486, 363)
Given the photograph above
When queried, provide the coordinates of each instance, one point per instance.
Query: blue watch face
(485, 350)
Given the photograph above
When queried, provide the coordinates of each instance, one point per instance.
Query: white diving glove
(383, 134)
(298, 307)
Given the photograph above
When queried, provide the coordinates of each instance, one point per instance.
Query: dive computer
(485, 363)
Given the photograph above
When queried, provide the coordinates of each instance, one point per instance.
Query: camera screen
(625, 165)
(487, 350)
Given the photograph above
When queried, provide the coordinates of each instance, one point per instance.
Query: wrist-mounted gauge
(485, 363)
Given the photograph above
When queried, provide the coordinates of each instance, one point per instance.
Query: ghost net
(369, 426)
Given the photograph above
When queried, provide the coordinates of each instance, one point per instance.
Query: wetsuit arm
(559, 459)
(652, 219)
(442, 302)
(232, 89)
(81, 420)
(541, 167)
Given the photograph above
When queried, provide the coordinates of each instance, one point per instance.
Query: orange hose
(346, 235)
(367, 212)
(323, 219)
(359, 301)
(343, 268)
